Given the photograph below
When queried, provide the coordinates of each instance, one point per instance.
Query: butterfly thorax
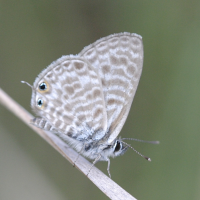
(93, 148)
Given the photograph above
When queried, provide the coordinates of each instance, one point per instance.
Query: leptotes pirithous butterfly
(85, 98)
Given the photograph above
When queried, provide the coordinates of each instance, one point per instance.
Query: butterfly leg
(95, 161)
(74, 164)
(108, 168)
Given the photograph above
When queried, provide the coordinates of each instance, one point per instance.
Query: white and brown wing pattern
(68, 96)
(119, 60)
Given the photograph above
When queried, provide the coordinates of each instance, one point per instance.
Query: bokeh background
(166, 106)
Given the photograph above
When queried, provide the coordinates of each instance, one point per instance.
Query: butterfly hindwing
(73, 101)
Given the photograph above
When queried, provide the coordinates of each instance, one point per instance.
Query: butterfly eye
(118, 146)
(40, 103)
(43, 87)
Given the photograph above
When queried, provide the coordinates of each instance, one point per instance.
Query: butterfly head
(118, 148)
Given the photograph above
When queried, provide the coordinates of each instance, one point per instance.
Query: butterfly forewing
(119, 60)
(73, 102)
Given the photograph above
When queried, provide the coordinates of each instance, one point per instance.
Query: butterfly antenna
(147, 158)
(151, 142)
(27, 84)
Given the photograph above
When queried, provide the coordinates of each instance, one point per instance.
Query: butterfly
(85, 98)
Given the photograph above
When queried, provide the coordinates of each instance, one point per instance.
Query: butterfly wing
(119, 60)
(73, 100)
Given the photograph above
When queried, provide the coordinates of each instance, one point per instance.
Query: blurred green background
(166, 106)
